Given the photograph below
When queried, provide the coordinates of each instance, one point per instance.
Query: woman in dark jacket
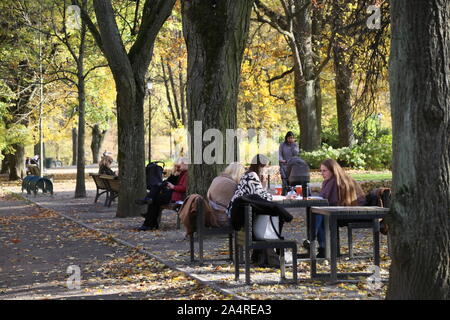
(288, 149)
(105, 166)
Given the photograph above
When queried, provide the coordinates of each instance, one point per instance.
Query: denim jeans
(319, 230)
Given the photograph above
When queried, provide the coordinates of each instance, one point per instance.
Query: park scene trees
(360, 82)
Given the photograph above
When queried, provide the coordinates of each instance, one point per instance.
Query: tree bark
(420, 102)
(305, 78)
(343, 81)
(16, 162)
(129, 70)
(215, 34)
(98, 136)
(37, 150)
(80, 187)
(74, 146)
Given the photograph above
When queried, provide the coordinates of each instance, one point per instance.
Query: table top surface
(300, 201)
(357, 210)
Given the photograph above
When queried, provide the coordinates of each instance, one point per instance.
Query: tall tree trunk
(37, 150)
(74, 146)
(16, 162)
(420, 102)
(98, 136)
(305, 78)
(129, 70)
(80, 187)
(343, 81)
(182, 94)
(215, 34)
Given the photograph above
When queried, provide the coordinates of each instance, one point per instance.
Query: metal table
(331, 217)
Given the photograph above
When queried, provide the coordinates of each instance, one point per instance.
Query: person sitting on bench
(105, 166)
(168, 192)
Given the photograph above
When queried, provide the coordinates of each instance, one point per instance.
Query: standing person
(286, 151)
(170, 191)
(340, 190)
(104, 167)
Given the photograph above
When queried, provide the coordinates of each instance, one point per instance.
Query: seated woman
(171, 191)
(249, 184)
(221, 191)
(340, 190)
(105, 166)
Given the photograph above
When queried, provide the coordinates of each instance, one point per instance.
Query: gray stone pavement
(172, 248)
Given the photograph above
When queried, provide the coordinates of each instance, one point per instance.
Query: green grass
(363, 177)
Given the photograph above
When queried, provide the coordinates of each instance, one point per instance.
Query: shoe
(143, 201)
(321, 253)
(146, 228)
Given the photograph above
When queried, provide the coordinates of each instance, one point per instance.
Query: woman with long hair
(250, 182)
(340, 190)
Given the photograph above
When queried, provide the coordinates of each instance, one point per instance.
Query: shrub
(372, 154)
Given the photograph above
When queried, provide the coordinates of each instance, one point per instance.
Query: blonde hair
(235, 170)
(106, 161)
(348, 189)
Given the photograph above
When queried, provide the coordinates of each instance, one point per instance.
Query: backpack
(154, 174)
(380, 197)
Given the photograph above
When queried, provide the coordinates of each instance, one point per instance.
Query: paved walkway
(171, 247)
(42, 252)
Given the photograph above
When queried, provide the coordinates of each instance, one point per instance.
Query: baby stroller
(154, 174)
(154, 179)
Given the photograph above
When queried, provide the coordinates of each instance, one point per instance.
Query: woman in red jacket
(169, 193)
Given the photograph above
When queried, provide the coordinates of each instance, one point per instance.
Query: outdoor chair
(202, 232)
(244, 241)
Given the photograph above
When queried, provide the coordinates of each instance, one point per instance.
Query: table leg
(376, 242)
(312, 250)
(308, 224)
(333, 246)
(327, 236)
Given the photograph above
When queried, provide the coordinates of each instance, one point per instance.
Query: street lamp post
(149, 89)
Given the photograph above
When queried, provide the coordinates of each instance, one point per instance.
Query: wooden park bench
(175, 206)
(202, 232)
(112, 184)
(101, 186)
(244, 241)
